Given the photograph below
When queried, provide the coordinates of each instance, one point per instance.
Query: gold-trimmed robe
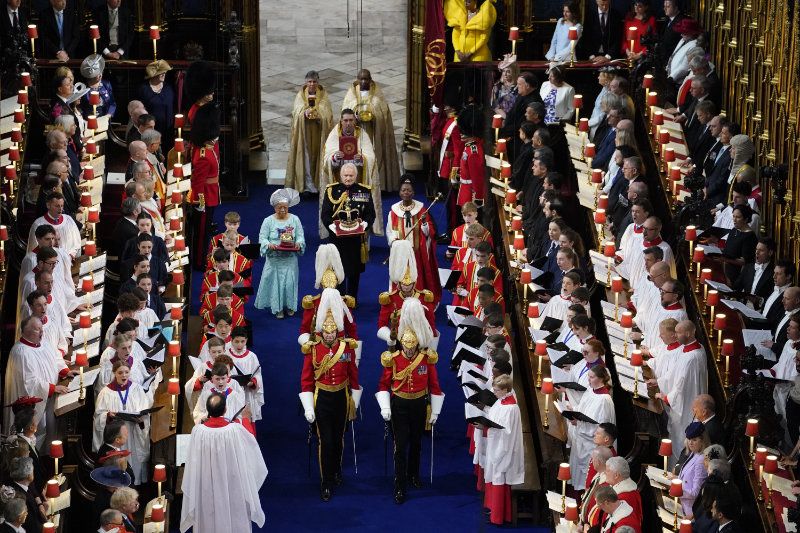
(307, 137)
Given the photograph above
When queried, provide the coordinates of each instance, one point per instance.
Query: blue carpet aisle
(290, 496)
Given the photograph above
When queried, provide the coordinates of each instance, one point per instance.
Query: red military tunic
(472, 172)
(211, 281)
(452, 148)
(205, 175)
(330, 376)
(410, 378)
(311, 304)
(392, 302)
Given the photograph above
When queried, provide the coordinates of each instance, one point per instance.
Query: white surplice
(505, 458)
(247, 363)
(69, 236)
(686, 379)
(223, 473)
(235, 400)
(598, 407)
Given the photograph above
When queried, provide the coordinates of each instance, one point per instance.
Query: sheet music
(746, 311)
(710, 249)
(89, 378)
(62, 502)
(559, 376)
(456, 318)
(754, 337)
(64, 400)
(444, 273)
(554, 501)
(115, 178)
(656, 477)
(718, 285)
(538, 334)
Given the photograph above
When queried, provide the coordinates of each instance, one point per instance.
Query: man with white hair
(589, 512)
(618, 477)
(15, 514)
(142, 174)
(20, 473)
(135, 110)
(34, 369)
(152, 139)
(137, 150)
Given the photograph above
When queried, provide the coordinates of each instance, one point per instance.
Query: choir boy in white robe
(246, 362)
(34, 369)
(223, 473)
(221, 383)
(69, 236)
(47, 260)
(593, 352)
(505, 459)
(124, 396)
(596, 403)
(127, 305)
(557, 306)
(194, 385)
(223, 324)
(632, 236)
(687, 378)
(46, 236)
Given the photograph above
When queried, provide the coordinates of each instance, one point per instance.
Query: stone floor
(313, 35)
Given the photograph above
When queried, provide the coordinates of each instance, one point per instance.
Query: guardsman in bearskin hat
(472, 168)
(205, 193)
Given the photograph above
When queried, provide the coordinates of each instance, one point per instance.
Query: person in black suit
(13, 23)
(697, 93)
(602, 34)
(108, 480)
(21, 475)
(115, 436)
(25, 425)
(698, 133)
(528, 92)
(15, 512)
(125, 230)
(521, 168)
(782, 276)
(716, 189)
(704, 410)
(755, 279)
(115, 18)
(668, 37)
(59, 31)
(725, 510)
(791, 304)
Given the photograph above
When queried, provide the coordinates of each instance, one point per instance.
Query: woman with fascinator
(281, 239)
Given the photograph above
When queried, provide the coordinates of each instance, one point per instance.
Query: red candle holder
(652, 98)
(174, 387)
(583, 125)
(533, 310)
(3, 233)
(88, 172)
(94, 31)
(94, 97)
(179, 120)
(647, 81)
(600, 216)
(179, 244)
(16, 135)
(176, 312)
(602, 201)
(177, 276)
(572, 33)
(94, 215)
(87, 284)
(497, 121)
(511, 196)
(22, 97)
(505, 170)
(179, 147)
(91, 147)
(577, 101)
(589, 151)
(85, 320)
(525, 276)
(174, 223)
(513, 33)
(516, 224)
(25, 79)
(90, 249)
(176, 197)
(155, 33)
(81, 359)
(86, 199)
(616, 284)
(91, 122)
(597, 176)
(19, 116)
(177, 170)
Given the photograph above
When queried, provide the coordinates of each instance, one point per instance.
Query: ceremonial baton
(355, 457)
(385, 448)
(309, 448)
(436, 199)
(433, 431)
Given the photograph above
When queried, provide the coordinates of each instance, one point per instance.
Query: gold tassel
(351, 408)
(364, 251)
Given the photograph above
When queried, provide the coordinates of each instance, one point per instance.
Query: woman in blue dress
(560, 47)
(281, 239)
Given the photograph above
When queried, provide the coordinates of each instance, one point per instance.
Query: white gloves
(385, 404)
(307, 399)
(436, 407)
(356, 394)
(461, 291)
(385, 334)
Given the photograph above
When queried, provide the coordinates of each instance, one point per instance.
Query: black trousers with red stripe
(201, 229)
(331, 412)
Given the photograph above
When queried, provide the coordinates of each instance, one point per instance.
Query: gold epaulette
(433, 357)
(349, 301)
(427, 295)
(366, 186)
(308, 346)
(351, 343)
(332, 185)
(384, 298)
(386, 359)
(308, 302)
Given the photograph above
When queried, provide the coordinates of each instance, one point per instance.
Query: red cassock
(392, 302)
(210, 303)
(422, 379)
(311, 304)
(211, 281)
(238, 264)
(473, 173)
(469, 281)
(216, 242)
(593, 472)
(408, 226)
(451, 149)
(463, 258)
(460, 239)
(343, 373)
(472, 302)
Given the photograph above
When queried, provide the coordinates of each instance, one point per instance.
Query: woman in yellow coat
(472, 22)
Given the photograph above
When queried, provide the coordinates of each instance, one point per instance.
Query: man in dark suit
(521, 168)
(698, 93)
(617, 119)
(791, 304)
(115, 436)
(726, 510)
(59, 31)
(602, 34)
(755, 279)
(621, 217)
(125, 230)
(704, 410)
(528, 89)
(21, 475)
(13, 21)
(716, 189)
(25, 425)
(698, 135)
(116, 29)
(669, 38)
(773, 311)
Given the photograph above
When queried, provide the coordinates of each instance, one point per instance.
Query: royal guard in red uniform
(329, 270)
(205, 193)
(450, 162)
(472, 167)
(409, 383)
(330, 392)
(403, 280)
